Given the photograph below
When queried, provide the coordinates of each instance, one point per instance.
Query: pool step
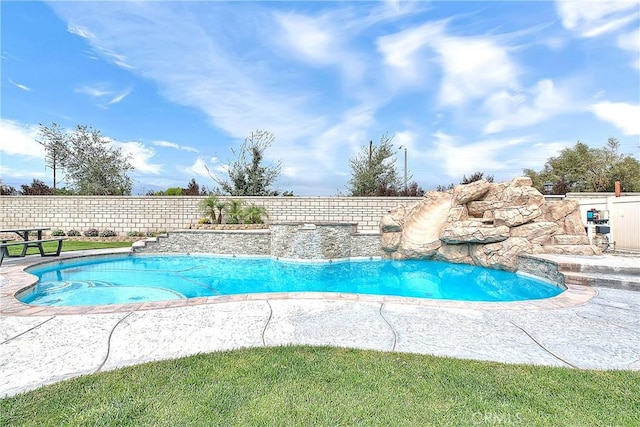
(615, 281)
(604, 274)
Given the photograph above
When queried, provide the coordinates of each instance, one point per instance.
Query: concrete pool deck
(593, 328)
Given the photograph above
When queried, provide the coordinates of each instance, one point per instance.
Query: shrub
(235, 211)
(108, 233)
(92, 232)
(58, 232)
(135, 234)
(173, 191)
(253, 214)
(73, 233)
(204, 221)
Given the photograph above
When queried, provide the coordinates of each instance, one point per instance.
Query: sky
(462, 86)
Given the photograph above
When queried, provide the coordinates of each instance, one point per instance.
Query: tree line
(92, 166)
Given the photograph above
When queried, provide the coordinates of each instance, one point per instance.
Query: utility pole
(405, 169)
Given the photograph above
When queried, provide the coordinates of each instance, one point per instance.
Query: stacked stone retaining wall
(332, 241)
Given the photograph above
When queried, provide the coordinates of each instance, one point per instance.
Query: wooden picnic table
(28, 243)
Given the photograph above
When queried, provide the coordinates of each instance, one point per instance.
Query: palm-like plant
(235, 211)
(220, 205)
(208, 207)
(253, 214)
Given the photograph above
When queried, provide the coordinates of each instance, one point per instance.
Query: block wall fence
(123, 214)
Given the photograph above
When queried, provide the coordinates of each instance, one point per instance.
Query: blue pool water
(131, 278)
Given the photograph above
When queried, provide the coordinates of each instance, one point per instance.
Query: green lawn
(309, 386)
(69, 245)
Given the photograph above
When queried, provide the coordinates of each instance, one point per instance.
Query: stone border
(16, 281)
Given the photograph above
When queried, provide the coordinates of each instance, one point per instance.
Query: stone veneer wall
(150, 214)
(325, 241)
(540, 267)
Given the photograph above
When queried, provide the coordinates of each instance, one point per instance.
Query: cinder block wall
(150, 214)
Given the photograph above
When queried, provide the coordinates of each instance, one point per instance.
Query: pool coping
(16, 280)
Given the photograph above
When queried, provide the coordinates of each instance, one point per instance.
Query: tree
(7, 190)
(248, 176)
(373, 170)
(583, 168)
(173, 191)
(193, 189)
(37, 188)
(91, 164)
(211, 205)
(476, 176)
(56, 147)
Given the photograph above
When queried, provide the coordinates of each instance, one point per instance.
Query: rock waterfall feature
(487, 224)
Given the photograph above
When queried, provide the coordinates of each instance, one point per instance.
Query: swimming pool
(146, 278)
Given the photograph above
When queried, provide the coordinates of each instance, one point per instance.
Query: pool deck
(586, 327)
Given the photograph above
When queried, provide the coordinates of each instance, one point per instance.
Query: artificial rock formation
(487, 224)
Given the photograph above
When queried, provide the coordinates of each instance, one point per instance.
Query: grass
(308, 386)
(69, 245)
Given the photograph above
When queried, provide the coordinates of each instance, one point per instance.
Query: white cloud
(591, 18)
(176, 146)
(403, 51)
(83, 32)
(20, 86)
(472, 66)
(199, 168)
(140, 157)
(103, 94)
(631, 41)
(18, 139)
(622, 115)
(495, 155)
(518, 108)
(319, 41)
(119, 97)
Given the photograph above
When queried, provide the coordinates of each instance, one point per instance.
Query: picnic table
(26, 243)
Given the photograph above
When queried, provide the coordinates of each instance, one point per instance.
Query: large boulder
(458, 254)
(468, 193)
(390, 241)
(502, 255)
(479, 208)
(473, 232)
(516, 215)
(522, 196)
(536, 232)
(394, 220)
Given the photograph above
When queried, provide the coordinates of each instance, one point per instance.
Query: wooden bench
(4, 252)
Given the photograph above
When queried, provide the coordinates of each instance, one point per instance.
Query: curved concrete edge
(16, 281)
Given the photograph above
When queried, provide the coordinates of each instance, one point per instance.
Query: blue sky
(465, 86)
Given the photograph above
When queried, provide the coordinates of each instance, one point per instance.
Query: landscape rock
(470, 192)
(502, 255)
(486, 224)
(458, 254)
(521, 181)
(517, 215)
(458, 213)
(477, 209)
(394, 220)
(536, 232)
(563, 239)
(390, 241)
(472, 232)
